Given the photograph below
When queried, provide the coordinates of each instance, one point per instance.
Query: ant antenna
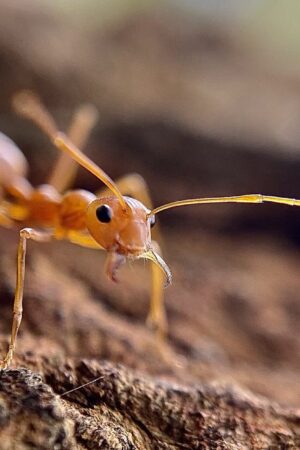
(28, 105)
(249, 198)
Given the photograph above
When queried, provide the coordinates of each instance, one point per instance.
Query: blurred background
(203, 99)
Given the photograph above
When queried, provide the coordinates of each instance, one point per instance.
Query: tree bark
(126, 410)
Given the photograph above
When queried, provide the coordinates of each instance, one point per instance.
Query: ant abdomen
(12, 161)
(13, 169)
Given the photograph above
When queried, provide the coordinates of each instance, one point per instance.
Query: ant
(108, 220)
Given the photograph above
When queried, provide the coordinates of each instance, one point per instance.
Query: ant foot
(5, 363)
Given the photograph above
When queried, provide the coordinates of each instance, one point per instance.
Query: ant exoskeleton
(119, 224)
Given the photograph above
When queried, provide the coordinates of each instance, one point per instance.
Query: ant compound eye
(104, 213)
(152, 221)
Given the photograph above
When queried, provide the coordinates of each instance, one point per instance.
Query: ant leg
(65, 168)
(26, 233)
(134, 185)
(82, 239)
(28, 105)
(157, 319)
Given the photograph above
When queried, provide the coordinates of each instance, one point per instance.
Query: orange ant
(110, 221)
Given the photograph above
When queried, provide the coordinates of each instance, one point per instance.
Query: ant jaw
(157, 259)
(113, 262)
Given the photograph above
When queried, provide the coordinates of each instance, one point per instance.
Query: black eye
(104, 213)
(152, 221)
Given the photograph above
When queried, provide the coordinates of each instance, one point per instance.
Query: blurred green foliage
(276, 24)
(93, 12)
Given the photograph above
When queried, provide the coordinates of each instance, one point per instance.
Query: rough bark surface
(127, 410)
(232, 354)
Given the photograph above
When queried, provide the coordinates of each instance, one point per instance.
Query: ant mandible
(110, 221)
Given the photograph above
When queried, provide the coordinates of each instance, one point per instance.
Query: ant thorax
(46, 207)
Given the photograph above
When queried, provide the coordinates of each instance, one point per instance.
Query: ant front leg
(157, 318)
(25, 234)
(135, 186)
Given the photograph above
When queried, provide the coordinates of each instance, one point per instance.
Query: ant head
(125, 231)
